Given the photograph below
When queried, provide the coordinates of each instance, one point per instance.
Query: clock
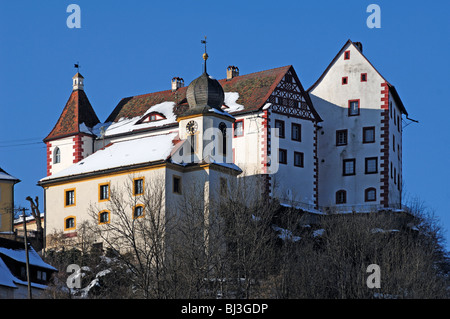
(191, 127)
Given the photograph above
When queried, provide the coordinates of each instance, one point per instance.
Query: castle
(335, 145)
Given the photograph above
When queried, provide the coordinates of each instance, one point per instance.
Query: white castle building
(336, 145)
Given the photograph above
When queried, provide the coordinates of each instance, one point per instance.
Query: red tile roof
(254, 90)
(78, 110)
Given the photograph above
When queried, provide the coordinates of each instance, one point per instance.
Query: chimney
(177, 83)
(232, 71)
(359, 46)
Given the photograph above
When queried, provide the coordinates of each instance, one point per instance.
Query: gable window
(341, 197)
(347, 55)
(282, 156)
(69, 223)
(152, 117)
(69, 197)
(138, 211)
(353, 107)
(344, 80)
(57, 156)
(103, 192)
(279, 124)
(138, 186)
(298, 159)
(296, 132)
(103, 217)
(349, 167)
(341, 137)
(371, 165)
(370, 194)
(239, 128)
(369, 134)
(363, 77)
(176, 184)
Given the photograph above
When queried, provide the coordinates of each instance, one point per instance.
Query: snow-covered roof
(122, 154)
(6, 176)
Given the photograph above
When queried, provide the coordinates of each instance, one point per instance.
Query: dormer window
(152, 117)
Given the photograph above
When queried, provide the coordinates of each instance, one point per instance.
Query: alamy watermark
(374, 19)
(74, 19)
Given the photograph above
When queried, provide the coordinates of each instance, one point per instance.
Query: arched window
(138, 211)
(341, 197)
(57, 155)
(103, 217)
(223, 129)
(69, 223)
(370, 194)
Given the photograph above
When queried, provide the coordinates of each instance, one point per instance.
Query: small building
(13, 274)
(7, 183)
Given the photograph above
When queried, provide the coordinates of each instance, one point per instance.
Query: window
(390, 108)
(296, 132)
(349, 167)
(363, 77)
(393, 142)
(239, 128)
(41, 275)
(298, 159)
(57, 156)
(138, 211)
(371, 165)
(370, 194)
(395, 175)
(176, 184)
(103, 217)
(223, 130)
(103, 192)
(282, 156)
(279, 124)
(341, 137)
(69, 223)
(69, 197)
(353, 107)
(341, 197)
(152, 117)
(347, 55)
(138, 186)
(223, 186)
(391, 171)
(344, 80)
(369, 134)
(399, 122)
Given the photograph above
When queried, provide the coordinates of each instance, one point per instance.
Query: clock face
(191, 127)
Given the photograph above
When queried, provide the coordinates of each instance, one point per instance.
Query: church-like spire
(78, 82)
(205, 56)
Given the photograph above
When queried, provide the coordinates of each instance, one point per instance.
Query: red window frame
(363, 77)
(349, 109)
(344, 80)
(347, 55)
(234, 128)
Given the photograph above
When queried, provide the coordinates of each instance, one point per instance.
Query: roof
(254, 90)
(145, 150)
(5, 176)
(392, 89)
(16, 251)
(77, 111)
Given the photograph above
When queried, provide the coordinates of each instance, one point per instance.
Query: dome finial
(205, 56)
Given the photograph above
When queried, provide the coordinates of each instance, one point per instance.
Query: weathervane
(205, 55)
(77, 66)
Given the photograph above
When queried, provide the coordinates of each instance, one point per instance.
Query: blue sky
(134, 47)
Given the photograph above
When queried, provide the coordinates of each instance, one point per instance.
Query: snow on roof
(230, 101)
(20, 256)
(122, 154)
(6, 176)
(6, 278)
(125, 125)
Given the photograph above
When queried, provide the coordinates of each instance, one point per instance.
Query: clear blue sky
(134, 47)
